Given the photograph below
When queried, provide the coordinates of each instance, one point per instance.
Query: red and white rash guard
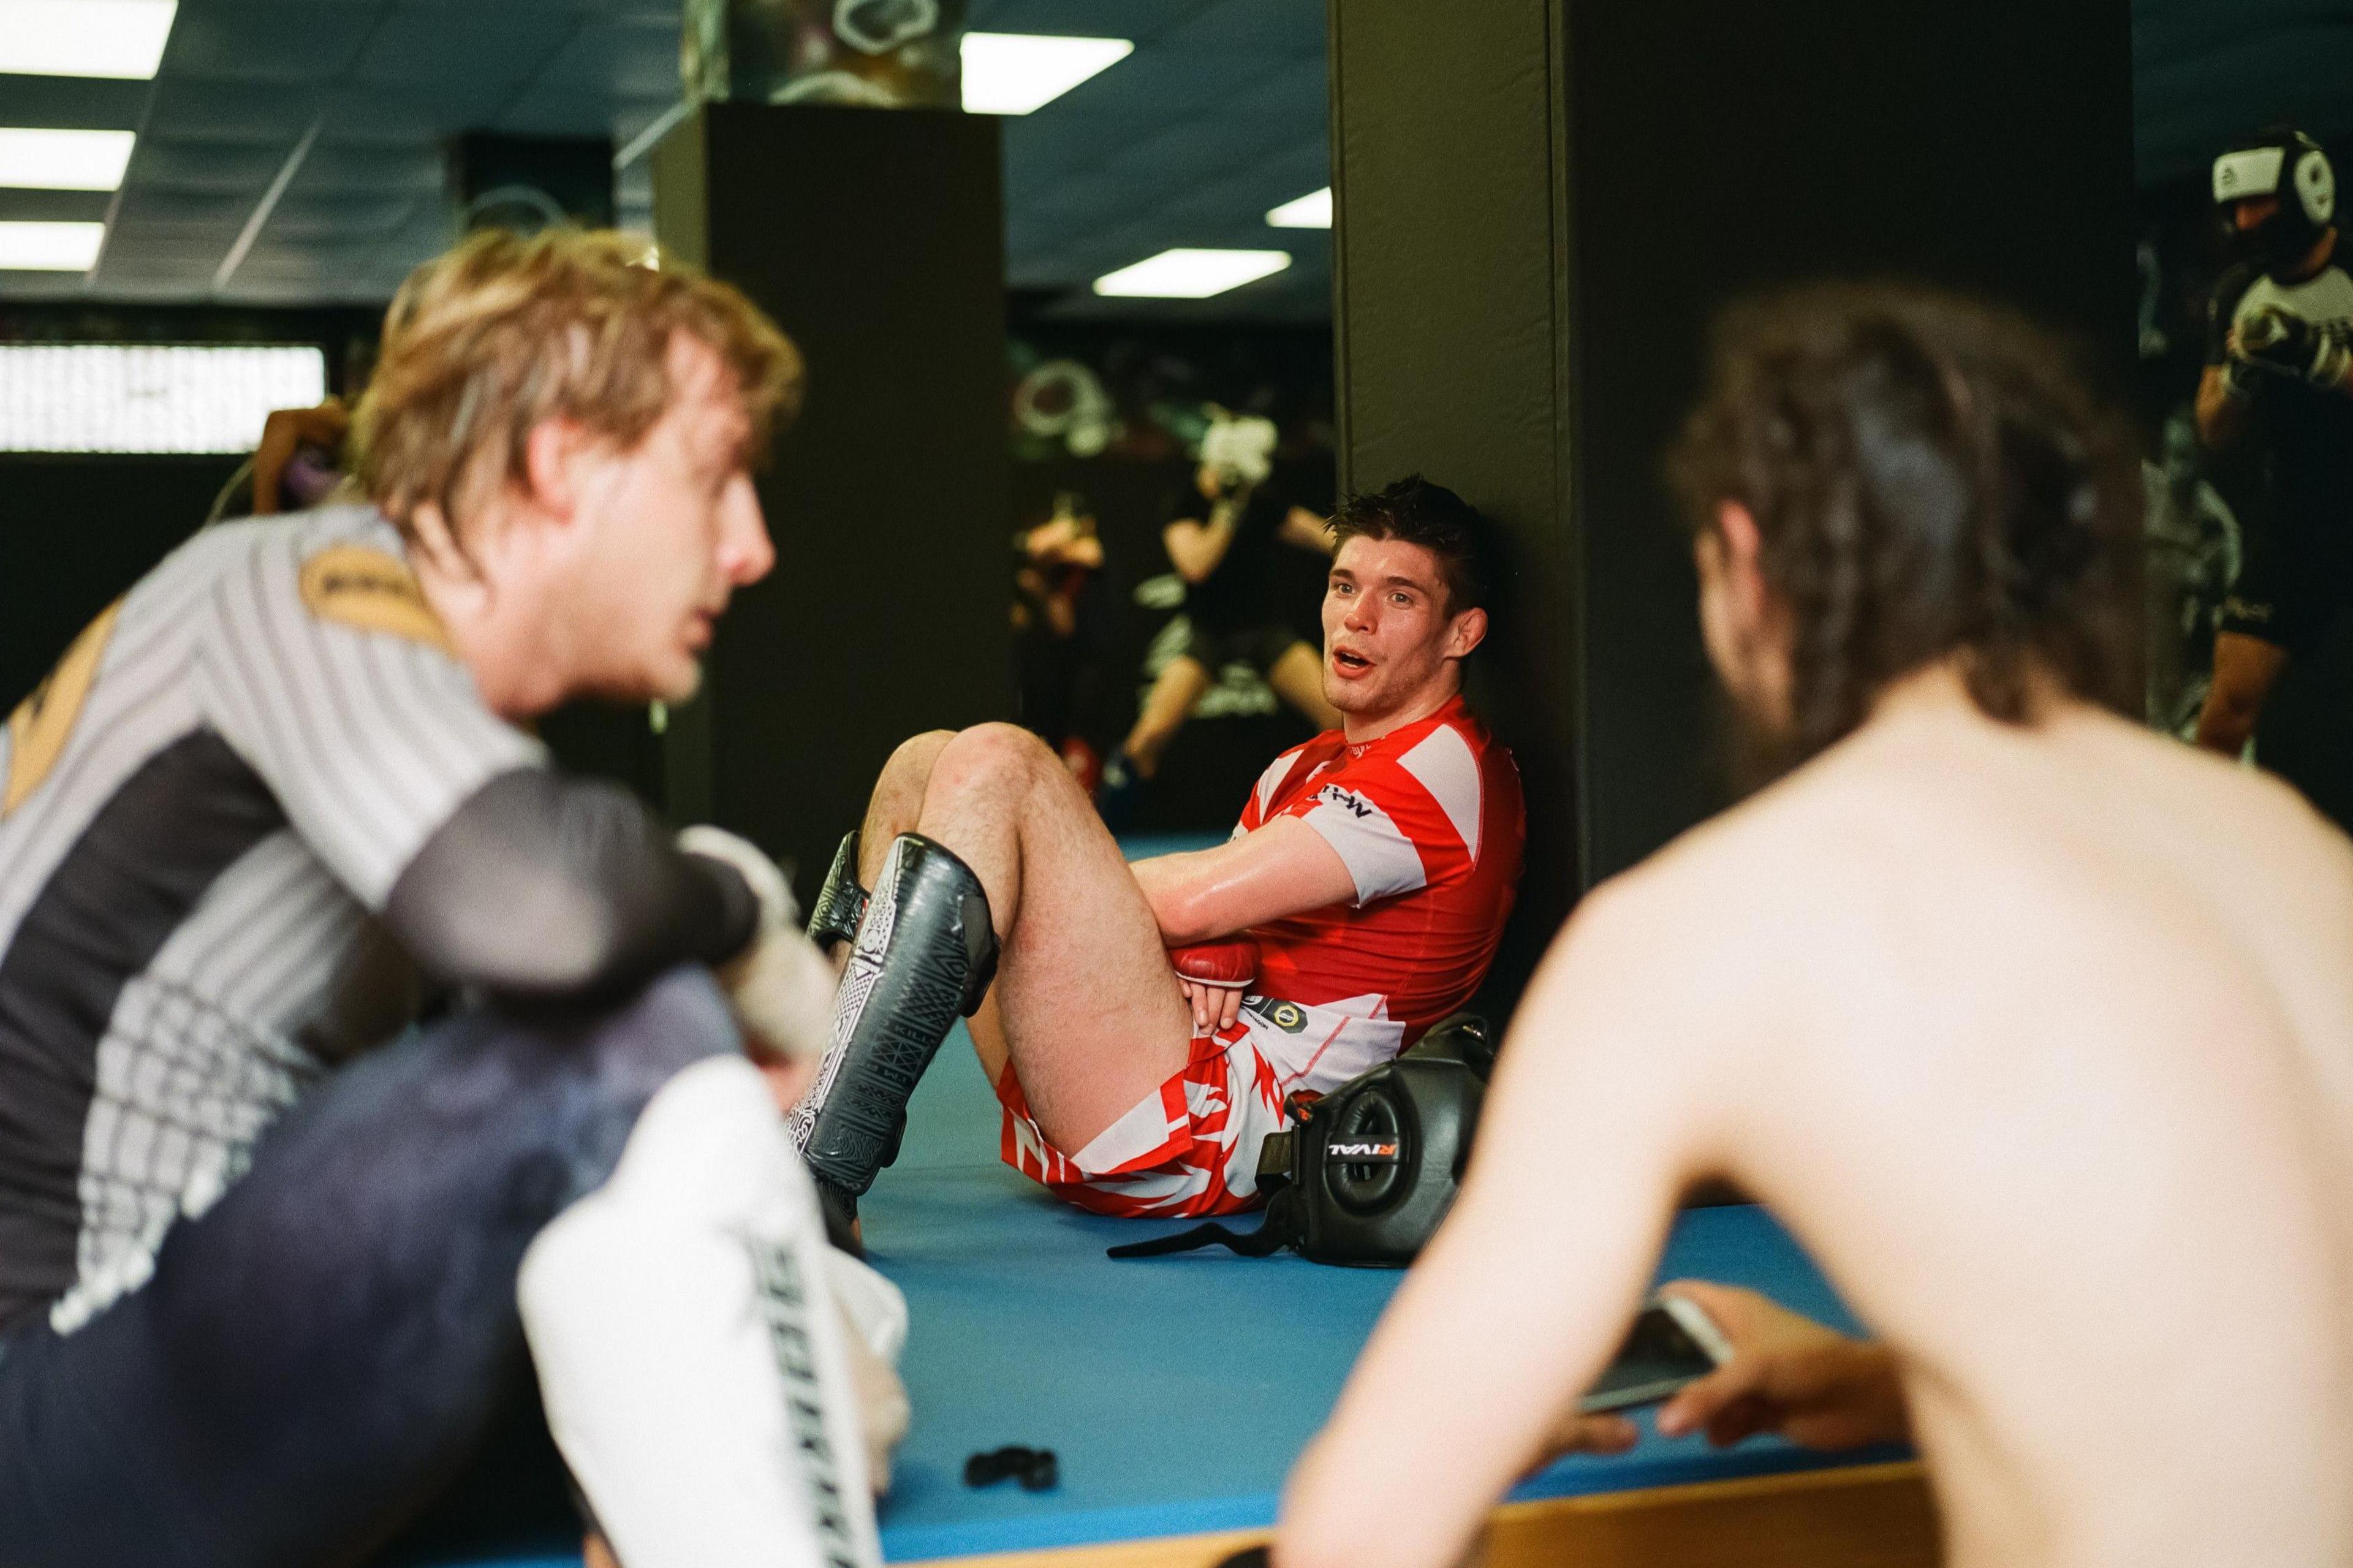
(1431, 823)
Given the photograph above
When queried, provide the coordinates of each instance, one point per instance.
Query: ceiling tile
(363, 167)
(205, 164)
(222, 112)
(73, 102)
(327, 218)
(622, 58)
(298, 43)
(54, 207)
(1254, 27)
(458, 50)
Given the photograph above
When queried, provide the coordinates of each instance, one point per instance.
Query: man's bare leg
(1174, 696)
(1298, 678)
(896, 806)
(1085, 1005)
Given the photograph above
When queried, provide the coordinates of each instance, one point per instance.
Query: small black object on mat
(1254, 1557)
(1035, 1467)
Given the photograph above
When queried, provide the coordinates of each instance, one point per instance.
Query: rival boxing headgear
(1366, 1173)
(2291, 166)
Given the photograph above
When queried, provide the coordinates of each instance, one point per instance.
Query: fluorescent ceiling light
(1191, 274)
(51, 247)
(121, 38)
(1013, 73)
(1312, 210)
(64, 159)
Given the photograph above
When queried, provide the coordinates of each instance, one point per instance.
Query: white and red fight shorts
(1190, 1149)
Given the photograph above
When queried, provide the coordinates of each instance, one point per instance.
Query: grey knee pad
(925, 953)
(841, 903)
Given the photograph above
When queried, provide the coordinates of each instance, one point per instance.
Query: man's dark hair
(1419, 512)
(1929, 479)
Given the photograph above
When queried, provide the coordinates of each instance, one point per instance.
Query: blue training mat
(1175, 1390)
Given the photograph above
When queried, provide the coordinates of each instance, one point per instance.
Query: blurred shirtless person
(2036, 1029)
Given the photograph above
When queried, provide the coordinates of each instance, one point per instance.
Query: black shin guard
(925, 953)
(841, 903)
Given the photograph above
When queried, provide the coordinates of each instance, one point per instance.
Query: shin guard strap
(841, 903)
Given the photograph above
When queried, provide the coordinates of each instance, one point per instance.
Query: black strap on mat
(1282, 1228)
(1259, 1243)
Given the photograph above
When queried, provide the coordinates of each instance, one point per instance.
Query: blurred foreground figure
(268, 1254)
(2031, 1024)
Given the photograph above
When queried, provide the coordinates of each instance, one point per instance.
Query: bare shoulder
(1712, 928)
(2246, 818)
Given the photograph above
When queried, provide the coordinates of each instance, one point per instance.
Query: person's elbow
(2211, 432)
(551, 944)
(2215, 416)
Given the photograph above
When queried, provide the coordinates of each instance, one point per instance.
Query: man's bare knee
(986, 758)
(912, 762)
(898, 800)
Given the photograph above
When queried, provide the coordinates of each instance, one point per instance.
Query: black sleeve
(2222, 306)
(542, 886)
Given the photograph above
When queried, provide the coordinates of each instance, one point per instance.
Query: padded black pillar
(875, 238)
(1541, 203)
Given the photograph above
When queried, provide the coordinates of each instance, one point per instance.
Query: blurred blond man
(269, 1251)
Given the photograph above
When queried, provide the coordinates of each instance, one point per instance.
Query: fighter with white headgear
(2278, 389)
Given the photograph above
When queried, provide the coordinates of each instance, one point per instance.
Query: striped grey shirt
(202, 813)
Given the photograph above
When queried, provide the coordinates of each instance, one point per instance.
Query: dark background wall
(1926, 144)
(1541, 205)
(875, 238)
(75, 531)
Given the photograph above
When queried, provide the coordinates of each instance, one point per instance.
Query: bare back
(2041, 1040)
(2060, 1093)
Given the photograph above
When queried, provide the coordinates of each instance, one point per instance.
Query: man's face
(666, 532)
(2253, 213)
(1389, 638)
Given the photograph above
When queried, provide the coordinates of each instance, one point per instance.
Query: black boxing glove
(2288, 345)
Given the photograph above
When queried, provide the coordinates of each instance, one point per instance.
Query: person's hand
(781, 986)
(873, 1320)
(1214, 977)
(1214, 1007)
(884, 1410)
(1577, 1432)
(1789, 1374)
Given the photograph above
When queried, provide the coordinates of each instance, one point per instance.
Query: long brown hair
(1930, 480)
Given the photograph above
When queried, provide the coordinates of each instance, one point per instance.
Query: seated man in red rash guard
(1144, 1023)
